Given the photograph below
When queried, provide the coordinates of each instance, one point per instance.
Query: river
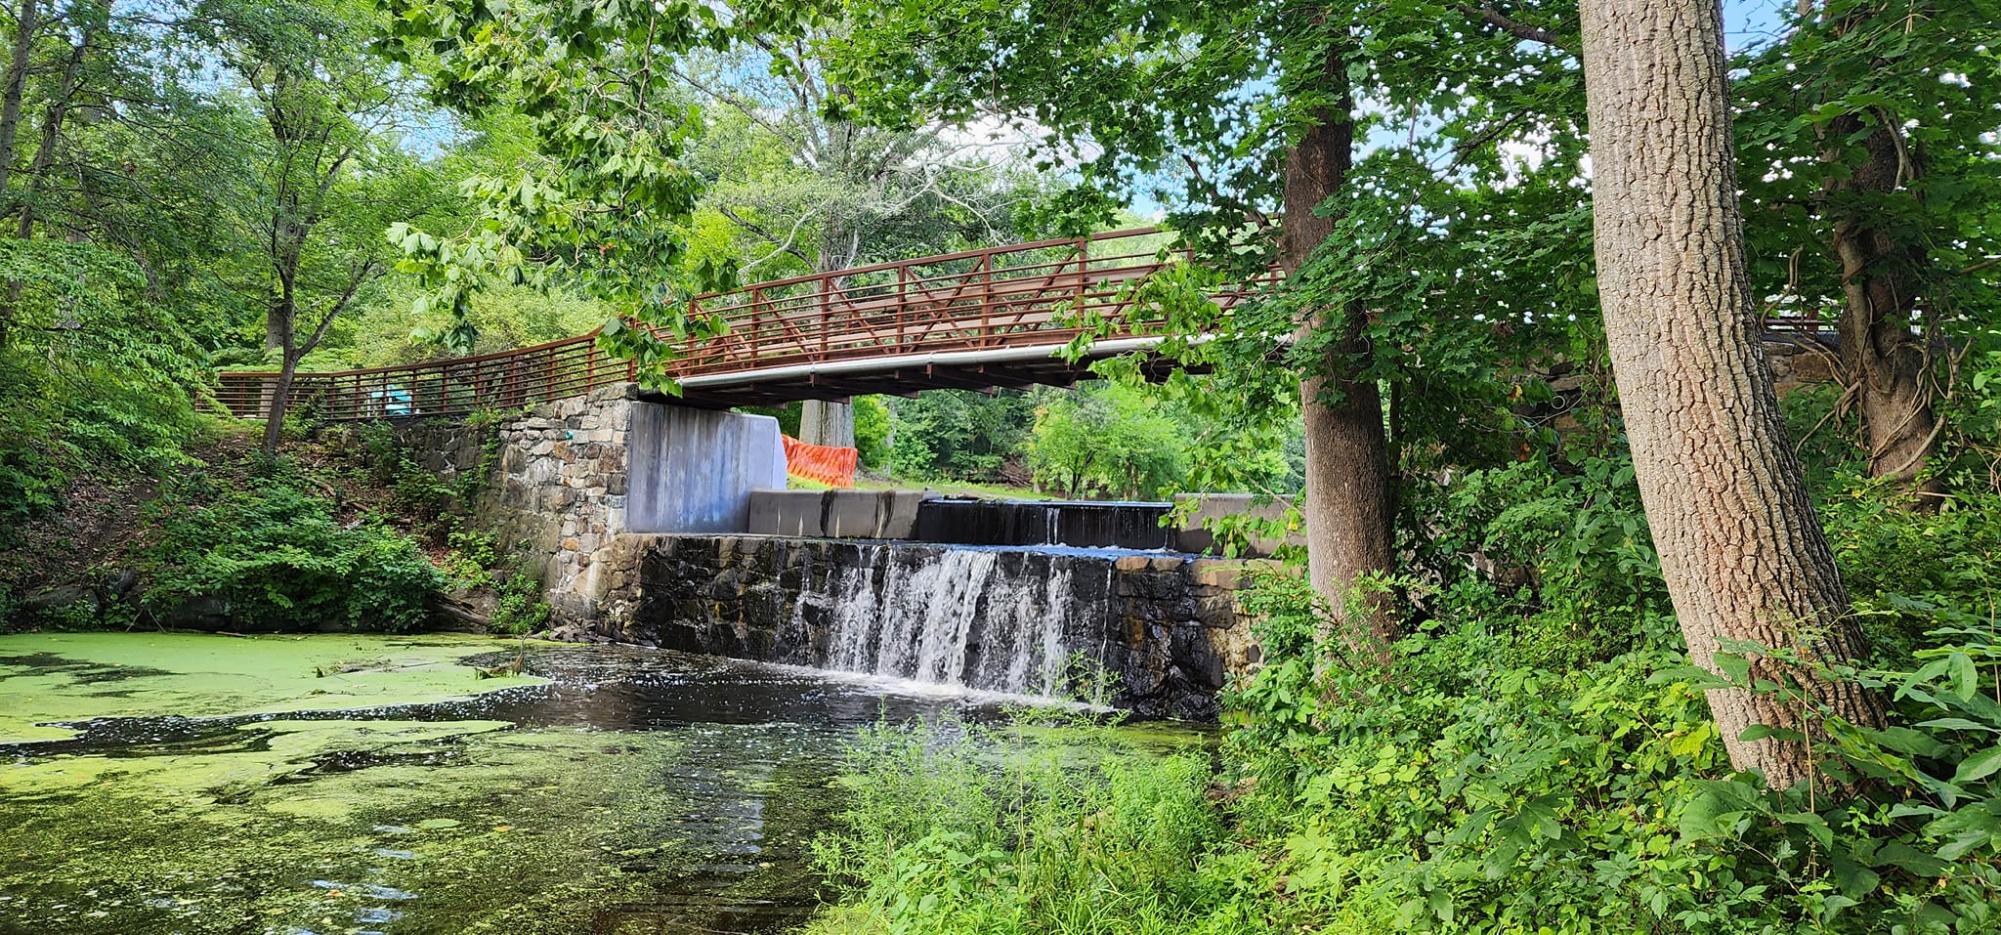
(353, 784)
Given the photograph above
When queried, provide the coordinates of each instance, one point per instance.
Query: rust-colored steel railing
(1022, 295)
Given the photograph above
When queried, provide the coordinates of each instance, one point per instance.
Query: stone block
(1133, 564)
(1218, 573)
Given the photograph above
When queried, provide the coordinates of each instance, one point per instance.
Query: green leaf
(1978, 766)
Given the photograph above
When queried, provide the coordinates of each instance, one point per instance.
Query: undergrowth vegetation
(1536, 755)
(273, 554)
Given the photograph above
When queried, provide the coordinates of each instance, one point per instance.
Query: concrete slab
(693, 470)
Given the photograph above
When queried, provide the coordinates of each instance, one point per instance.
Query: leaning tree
(1741, 549)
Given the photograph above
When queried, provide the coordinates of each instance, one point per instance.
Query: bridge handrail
(989, 305)
(921, 310)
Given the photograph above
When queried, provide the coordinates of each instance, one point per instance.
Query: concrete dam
(668, 526)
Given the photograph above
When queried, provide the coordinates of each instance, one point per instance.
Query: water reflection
(717, 841)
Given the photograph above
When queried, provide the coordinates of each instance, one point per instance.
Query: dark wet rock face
(1024, 522)
(1046, 622)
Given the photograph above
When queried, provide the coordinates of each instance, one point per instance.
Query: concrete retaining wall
(693, 470)
(836, 514)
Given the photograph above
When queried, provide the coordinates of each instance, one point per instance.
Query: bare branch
(784, 245)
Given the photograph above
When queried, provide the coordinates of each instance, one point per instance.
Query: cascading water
(955, 618)
(1156, 632)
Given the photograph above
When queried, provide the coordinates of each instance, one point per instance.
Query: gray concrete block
(840, 514)
(784, 513)
(693, 470)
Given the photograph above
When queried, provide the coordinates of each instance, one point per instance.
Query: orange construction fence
(824, 464)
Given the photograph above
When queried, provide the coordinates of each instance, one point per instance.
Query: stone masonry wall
(556, 488)
(1166, 625)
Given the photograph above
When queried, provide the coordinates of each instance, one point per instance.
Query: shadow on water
(721, 844)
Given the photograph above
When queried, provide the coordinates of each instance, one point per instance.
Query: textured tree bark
(276, 403)
(827, 422)
(1740, 545)
(1881, 288)
(279, 321)
(831, 422)
(1349, 501)
(14, 85)
(27, 19)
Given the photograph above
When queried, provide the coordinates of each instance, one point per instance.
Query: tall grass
(960, 828)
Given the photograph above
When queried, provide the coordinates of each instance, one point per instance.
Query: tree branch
(1513, 27)
(758, 229)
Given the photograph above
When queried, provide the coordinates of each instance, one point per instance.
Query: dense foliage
(273, 556)
(96, 382)
(1536, 756)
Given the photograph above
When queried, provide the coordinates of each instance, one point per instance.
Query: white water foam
(957, 618)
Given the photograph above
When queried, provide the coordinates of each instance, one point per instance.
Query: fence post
(1083, 271)
(902, 302)
(986, 296)
(826, 312)
(694, 312)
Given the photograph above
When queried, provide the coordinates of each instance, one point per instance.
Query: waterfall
(962, 617)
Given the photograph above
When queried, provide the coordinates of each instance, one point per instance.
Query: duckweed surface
(353, 784)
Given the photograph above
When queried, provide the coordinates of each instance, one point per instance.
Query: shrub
(274, 558)
(872, 421)
(520, 609)
(1534, 762)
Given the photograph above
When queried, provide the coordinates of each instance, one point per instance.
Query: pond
(347, 784)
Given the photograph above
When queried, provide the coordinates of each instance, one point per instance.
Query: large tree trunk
(51, 135)
(1740, 546)
(831, 421)
(12, 88)
(1349, 503)
(280, 319)
(52, 125)
(827, 422)
(26, 20)
(1883, 359)
(278, 400)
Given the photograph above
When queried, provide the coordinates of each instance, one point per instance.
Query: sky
(1750, 22)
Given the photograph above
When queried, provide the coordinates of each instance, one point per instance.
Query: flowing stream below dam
(356, 784)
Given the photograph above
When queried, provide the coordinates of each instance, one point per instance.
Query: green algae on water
(459, 826)
(68, 677)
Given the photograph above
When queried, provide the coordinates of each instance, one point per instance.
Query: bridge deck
(978, 319)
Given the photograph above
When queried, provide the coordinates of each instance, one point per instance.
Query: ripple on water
(631, 790)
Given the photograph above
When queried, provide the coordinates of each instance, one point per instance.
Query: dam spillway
(1151, 632)
(1081, 524)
